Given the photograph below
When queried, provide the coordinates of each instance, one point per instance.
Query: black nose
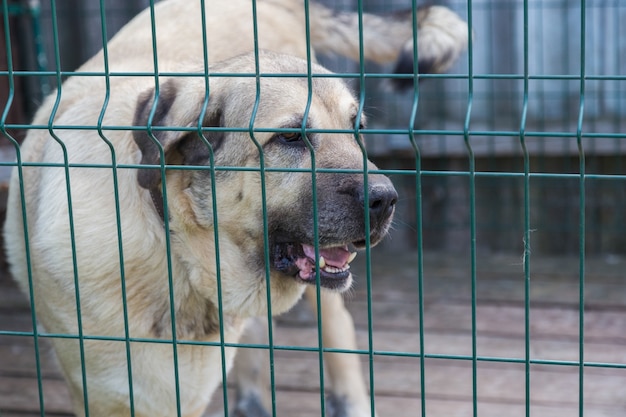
(382, 200)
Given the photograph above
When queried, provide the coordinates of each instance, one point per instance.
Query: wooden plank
(307, 404)
(496, 319)
(36, 414)
(11, 298)
(18, 358)
(448, 381)
(496, 382)
(294, 402)
(16, 321)
(22, 394)
(448, 390)
(442, 342)
(499, 277)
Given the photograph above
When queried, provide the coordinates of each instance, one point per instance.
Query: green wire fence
(518, 150)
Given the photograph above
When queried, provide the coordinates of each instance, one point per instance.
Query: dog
(157, 211)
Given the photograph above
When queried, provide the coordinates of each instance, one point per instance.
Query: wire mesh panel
(499, 289)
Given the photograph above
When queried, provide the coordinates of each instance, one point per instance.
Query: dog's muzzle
(332, 260)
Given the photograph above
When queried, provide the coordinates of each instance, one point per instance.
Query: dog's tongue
(337, 257)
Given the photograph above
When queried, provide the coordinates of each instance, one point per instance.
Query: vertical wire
(526, 258)
(218, 274)
(118, 217)
(418, 211)
(55, 108)
(617, 96)
(40, 55)
(168, 243)
(366, 213)
(19, 171)
(266, 243)
(581, 230)
(320, 338)
(472, 202)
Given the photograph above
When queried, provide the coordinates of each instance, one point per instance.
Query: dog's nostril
(381, 202)
(376, 205)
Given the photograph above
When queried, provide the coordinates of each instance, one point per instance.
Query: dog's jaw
(299, 261)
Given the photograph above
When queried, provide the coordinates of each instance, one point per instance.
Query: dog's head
(265, 151)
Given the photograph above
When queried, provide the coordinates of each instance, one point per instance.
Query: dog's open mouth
(298, 260)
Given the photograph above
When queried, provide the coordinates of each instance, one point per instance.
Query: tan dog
(118, 215)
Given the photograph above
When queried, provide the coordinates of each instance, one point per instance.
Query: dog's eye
(290, 138)
(361, 123)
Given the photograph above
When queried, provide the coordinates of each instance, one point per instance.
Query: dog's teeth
(351, 257)
(322, 262)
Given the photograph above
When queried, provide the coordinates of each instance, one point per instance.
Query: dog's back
(230, 28)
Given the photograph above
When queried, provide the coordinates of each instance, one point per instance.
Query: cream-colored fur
(93, 239)
(84, 217)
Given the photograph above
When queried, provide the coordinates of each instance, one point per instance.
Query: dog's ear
(176, 109)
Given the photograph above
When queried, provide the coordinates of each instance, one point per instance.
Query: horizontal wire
(593, 364)
(426, 132)
(490, 174)
(355, 75)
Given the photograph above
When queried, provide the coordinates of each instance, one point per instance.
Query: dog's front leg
(348, 397)
(250, 372)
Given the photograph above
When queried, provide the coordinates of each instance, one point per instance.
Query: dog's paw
(249, 406)
(336, 406)
(340, 406)
(442, 37)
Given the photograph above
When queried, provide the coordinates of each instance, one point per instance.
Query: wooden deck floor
(500, 330)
